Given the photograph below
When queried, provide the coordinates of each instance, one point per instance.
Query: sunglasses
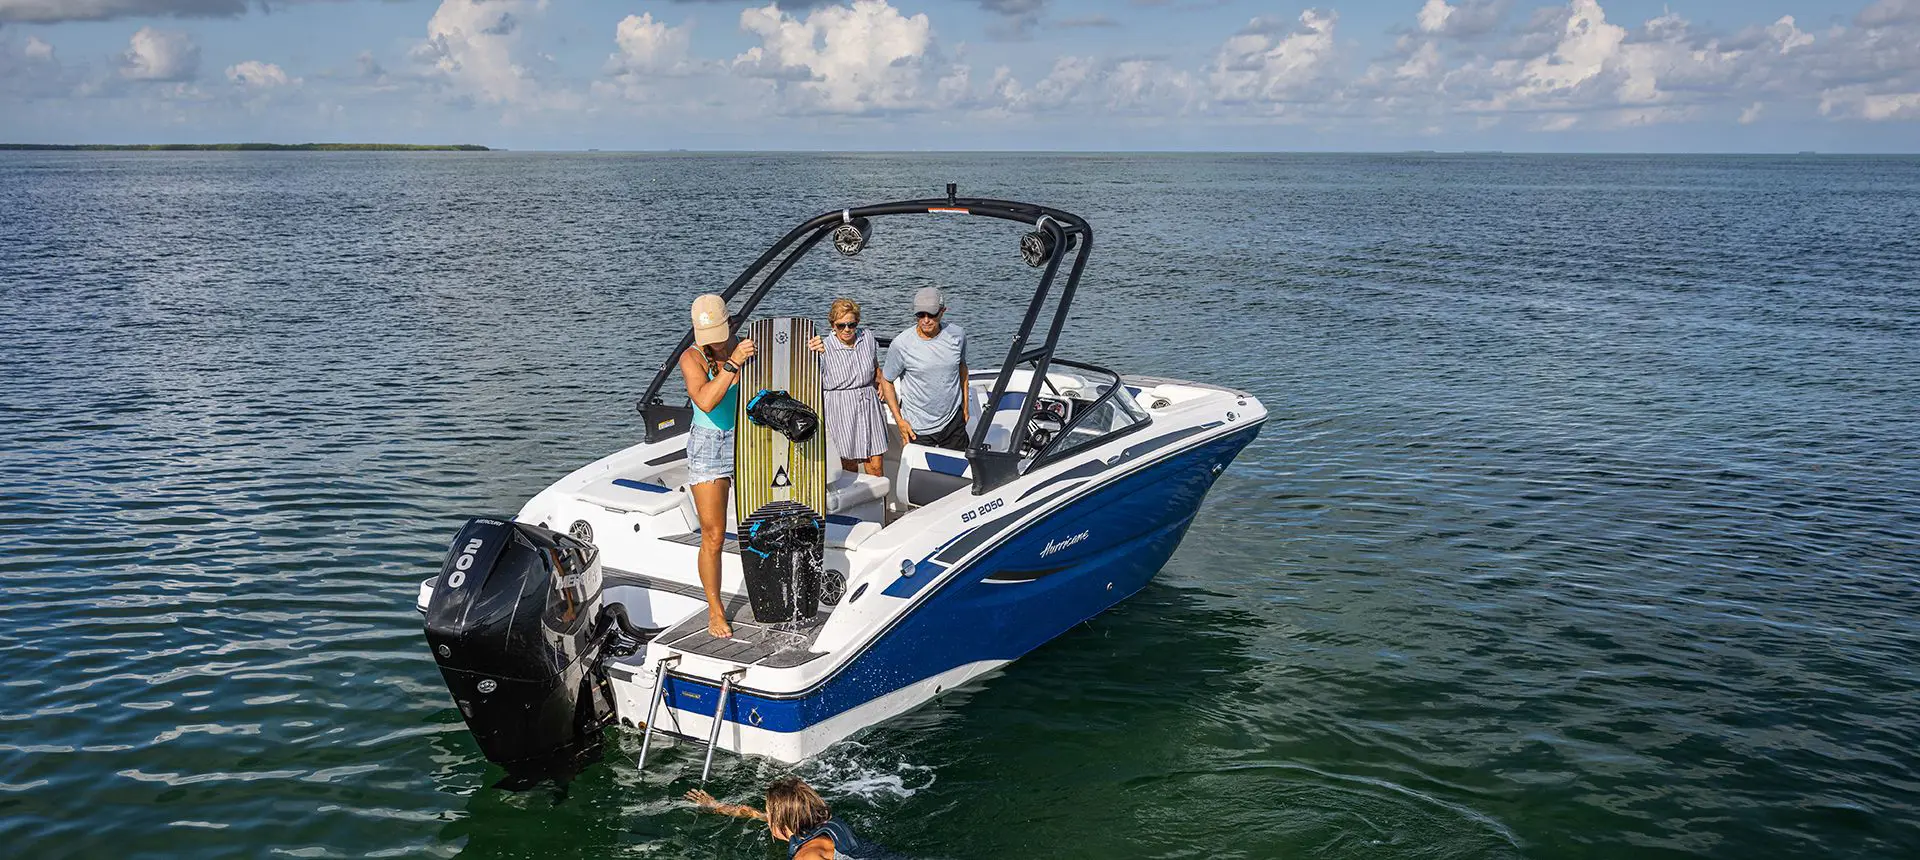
(847, 326)
(923, 315)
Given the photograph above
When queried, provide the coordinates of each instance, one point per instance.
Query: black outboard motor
(515, 623)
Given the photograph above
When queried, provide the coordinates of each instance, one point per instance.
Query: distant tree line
(249, 147)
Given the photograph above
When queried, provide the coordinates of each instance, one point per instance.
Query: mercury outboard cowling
(516, 625)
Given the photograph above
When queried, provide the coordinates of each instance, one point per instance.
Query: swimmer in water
(796, 813)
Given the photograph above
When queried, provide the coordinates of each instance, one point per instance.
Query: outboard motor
(516, 625)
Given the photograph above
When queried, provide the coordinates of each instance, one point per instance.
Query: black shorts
(953, 435)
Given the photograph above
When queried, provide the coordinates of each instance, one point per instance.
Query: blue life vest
(844, 843)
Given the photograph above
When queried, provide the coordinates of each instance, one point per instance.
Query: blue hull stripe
(924, 572)
(1130, 526)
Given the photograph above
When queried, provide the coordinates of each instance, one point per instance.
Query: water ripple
(1585, 523)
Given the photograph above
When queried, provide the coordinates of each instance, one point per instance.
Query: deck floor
(752, 644)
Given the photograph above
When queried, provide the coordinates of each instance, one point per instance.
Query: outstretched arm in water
(707, 804)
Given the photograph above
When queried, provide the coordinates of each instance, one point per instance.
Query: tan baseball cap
(710, 320)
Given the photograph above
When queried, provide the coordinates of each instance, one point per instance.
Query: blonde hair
(842, 307)
(793, 806)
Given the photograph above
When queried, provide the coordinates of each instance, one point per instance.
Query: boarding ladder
(662, 670)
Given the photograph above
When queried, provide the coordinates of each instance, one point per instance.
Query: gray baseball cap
(929, 300)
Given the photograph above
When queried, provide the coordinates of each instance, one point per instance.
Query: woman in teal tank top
(712, 371)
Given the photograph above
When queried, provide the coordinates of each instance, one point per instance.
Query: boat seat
(1000, 429)
(976, 408)
(630, 493)
(928, 474)
(844, 532)
(854, 494)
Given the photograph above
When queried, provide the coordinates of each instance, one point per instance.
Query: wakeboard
(780, 484)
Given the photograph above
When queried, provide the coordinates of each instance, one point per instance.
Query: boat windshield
(1113, 415)
(1102, 412)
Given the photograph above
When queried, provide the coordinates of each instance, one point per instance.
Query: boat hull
(1059, 569)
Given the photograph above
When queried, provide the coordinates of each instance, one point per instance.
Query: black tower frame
(1068, 232)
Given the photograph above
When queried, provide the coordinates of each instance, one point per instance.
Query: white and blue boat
(1075, 489)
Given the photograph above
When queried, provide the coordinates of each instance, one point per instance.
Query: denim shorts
(709, 455)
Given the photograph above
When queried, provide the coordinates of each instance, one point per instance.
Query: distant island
(249, 147)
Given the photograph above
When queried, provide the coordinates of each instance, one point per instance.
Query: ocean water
(1587, 523)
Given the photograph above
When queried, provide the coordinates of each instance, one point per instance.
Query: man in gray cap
(926, 375)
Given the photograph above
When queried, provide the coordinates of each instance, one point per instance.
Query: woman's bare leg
(710, 500)
(876, 466)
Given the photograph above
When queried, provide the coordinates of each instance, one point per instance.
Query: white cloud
(1889, 12)
(1861, 102)
(1571, 66)
(31, 70)
(861, 58)
(1062, 85)
(1587, 42)
(1422, 63)
(1787, 35)
(160, 55)
(470, 46)
(1464, 19)
(652, 63)
(1265, 64)
(1145, 85)
(1891, 106)
(1445, 66)
(648, 46)
(1068, 77)
(257, 75)
(1150, 87)
(1660, 72)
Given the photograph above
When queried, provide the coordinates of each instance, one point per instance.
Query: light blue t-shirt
(926, 373)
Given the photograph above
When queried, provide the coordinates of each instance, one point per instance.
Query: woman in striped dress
(850, 374)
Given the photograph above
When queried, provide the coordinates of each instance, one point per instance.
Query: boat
(1077, 485)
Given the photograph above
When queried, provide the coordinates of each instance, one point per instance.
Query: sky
(1250, 75)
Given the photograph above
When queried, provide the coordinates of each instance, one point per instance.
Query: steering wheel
(1049, 418)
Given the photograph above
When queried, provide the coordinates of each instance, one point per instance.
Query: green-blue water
(1585, 525)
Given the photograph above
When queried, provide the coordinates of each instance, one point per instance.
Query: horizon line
(481, 148)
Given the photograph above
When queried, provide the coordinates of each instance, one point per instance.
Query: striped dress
(855, 430)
